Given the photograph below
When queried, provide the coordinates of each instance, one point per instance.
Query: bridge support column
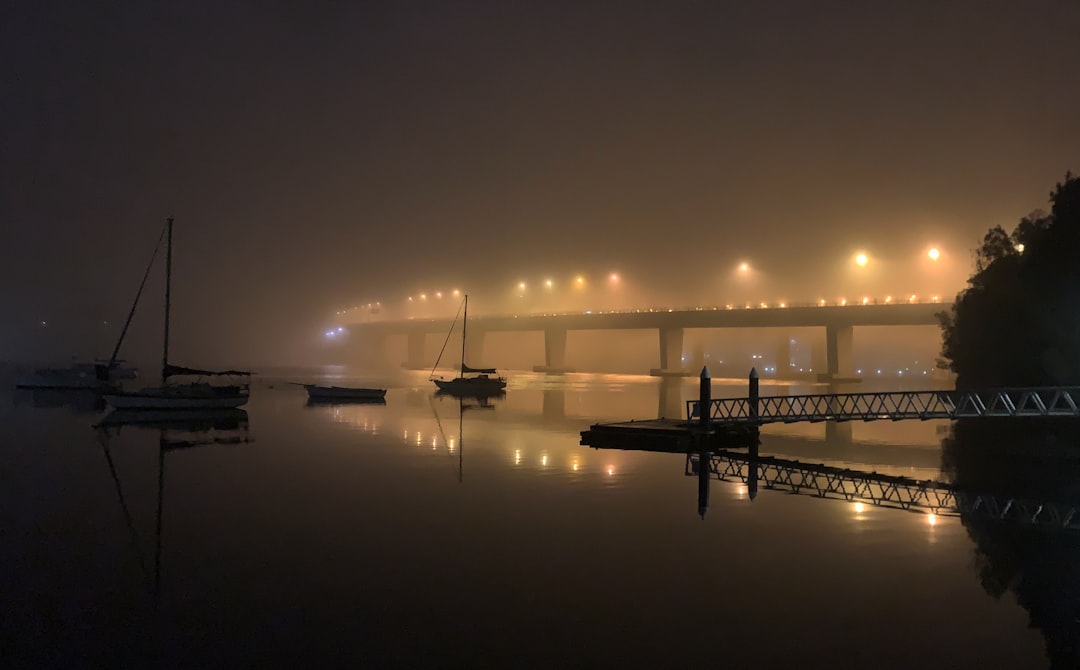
(837, 433)
(474, 348)
(783, 358)
(415, 361)
(671, 346)
(840, 364)
(370, 350)
(554, 352)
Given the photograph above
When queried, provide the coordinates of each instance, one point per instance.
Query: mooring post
(754, 395)
(703, 483)
(705, 399)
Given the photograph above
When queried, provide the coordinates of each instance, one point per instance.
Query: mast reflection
(465, 402)
(177, 430)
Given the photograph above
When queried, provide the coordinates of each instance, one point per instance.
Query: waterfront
(396, 535)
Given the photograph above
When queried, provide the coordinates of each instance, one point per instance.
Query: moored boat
(78, 376)
(194, 395)
(325, 393)
(470, 382)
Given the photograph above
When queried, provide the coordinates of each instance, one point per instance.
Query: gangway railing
(1056, 401)
(896, 492)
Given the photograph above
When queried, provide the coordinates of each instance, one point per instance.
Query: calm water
(415, 534)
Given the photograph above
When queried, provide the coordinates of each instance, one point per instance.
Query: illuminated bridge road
(837, 321)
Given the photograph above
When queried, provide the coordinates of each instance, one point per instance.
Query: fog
(318, 159)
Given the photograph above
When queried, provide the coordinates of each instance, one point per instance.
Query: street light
(933, 254)
(861, 260)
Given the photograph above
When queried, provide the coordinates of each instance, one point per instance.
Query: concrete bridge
(670, 325)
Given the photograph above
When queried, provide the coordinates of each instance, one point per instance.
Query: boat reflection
(78, 401)
(176, 430)
(464, 404)
(472, 398)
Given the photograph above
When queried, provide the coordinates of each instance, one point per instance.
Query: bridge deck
(674, 435)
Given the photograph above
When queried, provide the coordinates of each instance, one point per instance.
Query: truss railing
(894, 406)
(896, 492)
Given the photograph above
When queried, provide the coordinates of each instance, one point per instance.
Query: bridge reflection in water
(892, 491)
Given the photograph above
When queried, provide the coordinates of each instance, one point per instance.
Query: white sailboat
(192, 395)
(470, 382)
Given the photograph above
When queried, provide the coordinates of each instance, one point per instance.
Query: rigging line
(146, 275)
(448, 334)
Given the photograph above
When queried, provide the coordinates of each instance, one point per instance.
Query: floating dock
(672, 435)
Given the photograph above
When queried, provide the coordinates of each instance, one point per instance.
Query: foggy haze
(320, 158)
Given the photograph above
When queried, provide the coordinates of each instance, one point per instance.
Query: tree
(1018, 321)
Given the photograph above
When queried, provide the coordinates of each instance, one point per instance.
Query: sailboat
(470, 382)
(193, 395)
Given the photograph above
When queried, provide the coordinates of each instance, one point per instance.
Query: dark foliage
(1018, 322)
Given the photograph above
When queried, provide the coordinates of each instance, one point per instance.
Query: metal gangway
(892, 491)
(1054, 401)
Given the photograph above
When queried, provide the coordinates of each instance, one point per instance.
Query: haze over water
(415, 534)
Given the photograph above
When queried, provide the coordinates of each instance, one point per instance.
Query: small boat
(470, 382)
(343, 393)
(197, 394)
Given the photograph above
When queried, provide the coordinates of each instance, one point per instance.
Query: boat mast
(464, 325)
(168, 285)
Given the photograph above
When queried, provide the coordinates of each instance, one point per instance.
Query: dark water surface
(413, 534)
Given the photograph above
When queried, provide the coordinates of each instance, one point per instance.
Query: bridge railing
(897, 492)
(1057, 401)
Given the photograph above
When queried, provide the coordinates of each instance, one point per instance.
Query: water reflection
(176, 430)
(78, 401)
(1025, 459)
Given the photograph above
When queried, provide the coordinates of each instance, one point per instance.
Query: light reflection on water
(443, 533)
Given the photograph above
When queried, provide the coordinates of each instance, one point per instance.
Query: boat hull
(471, 386)
(323, 393)
(65, 384)
(198, 397)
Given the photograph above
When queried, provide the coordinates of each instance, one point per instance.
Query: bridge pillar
(671, 345)
(840, 363)
(554, 352)
(370, 350)
(838, 433)
(783, 358)
(474, 348)
(818, 359)
(415, 361)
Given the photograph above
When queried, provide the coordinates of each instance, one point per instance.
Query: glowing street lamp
(613, 278)
(744, 267)
(861, 259)
(456, 293)
(548, 284)
(933, 254)
(579, 281)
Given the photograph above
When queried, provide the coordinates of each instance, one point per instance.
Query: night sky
(316, 154)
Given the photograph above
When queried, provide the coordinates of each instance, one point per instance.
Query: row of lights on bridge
(861, 259)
